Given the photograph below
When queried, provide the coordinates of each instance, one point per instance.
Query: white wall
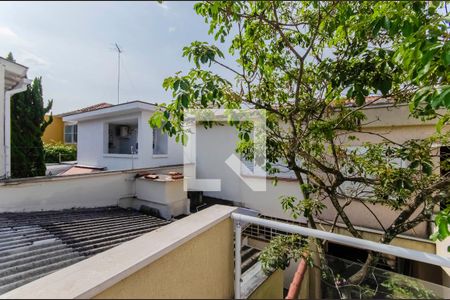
(65, 192)
(92, 142)
(214, 146)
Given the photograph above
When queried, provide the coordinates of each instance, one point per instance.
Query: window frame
(73, 134)
(155, 140)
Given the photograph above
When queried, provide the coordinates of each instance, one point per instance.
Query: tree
(27, 127)
(302, 62)
(10, 57)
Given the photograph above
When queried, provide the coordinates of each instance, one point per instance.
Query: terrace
(129, 234)
(94, 239)
(48, 224)
(189, 258)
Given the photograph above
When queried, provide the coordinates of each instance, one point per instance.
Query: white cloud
(172, 28)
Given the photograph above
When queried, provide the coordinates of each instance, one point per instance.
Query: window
(160, 142)
(70, 134)
(123, 137)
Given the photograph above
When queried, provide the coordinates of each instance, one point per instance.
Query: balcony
(194, 258)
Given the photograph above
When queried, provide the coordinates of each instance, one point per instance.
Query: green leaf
(176, 84)
(441, 122)
(443, 228)
(427, 168)
(360, 98)
(446, 57)
(185, 100)
(445, 96)
(184, 139)
(407, 29)
(385, 86)
(184, 85)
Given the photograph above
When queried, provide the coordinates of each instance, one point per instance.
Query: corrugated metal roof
(35, 244)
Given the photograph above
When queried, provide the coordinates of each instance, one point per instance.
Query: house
(119, 137)
(66, 133)
(73, 227)
(393, 121)
(13, 80)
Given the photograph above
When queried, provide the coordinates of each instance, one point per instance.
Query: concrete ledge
(96, 274)
(16, 181)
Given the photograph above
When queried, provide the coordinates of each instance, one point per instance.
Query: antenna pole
(119, 51)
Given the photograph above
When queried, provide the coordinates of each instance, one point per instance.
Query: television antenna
(119, 51)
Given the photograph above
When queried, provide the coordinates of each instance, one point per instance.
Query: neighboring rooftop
(86, 109)
(35, 244)
(113, 110)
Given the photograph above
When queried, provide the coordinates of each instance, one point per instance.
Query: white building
(393, 122)
(119, 138)
(13, 80)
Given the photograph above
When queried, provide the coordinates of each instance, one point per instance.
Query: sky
(71, 45)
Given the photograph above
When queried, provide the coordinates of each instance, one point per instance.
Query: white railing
(240, 220)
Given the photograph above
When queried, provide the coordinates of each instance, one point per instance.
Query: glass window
(123, 137)
(70, 134)
(160, 142)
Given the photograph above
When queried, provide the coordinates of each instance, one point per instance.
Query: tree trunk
(359, 276)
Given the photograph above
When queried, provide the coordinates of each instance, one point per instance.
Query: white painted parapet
(164, 193)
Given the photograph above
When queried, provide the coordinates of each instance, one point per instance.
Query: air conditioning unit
(124, 132)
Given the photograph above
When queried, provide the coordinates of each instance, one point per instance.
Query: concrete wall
(65, 192)
(201, 268)
(190, 258)
(93, 140)
(272, 288)
(54, 133)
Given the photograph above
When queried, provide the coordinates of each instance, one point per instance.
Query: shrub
(52, 152)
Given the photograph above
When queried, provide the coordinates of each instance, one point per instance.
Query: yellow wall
(272, 288)
(200, 268)
(54, 133)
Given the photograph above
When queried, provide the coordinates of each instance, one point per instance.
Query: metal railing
(241, 219)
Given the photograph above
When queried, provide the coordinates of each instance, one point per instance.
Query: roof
(86, 109)
(2, 59)
(372, 101)
(113, 110)
(75, 170)
(35, 244)
(14, 73)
